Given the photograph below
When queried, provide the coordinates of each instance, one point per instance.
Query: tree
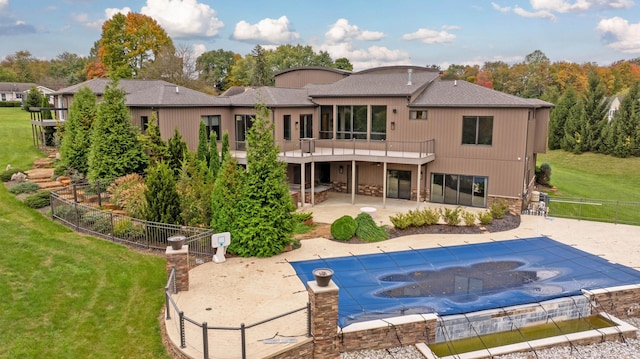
(34, 98)
(559, 115)
(214, 157)
(214, 68)
(177, 67)
(225, 152)
(115, 150)
(152, 142)
(44, 103)
(343, 63)
(261, 75)
(202, 152)
(224, 200)
(195, 192)
(264, 226)
(67, 69)
(162, 197)
(177, 151)
(537, 77)
(129, 42)
(623, 140)
(595, 111)
(76, 142)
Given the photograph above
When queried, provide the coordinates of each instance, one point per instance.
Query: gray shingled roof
(16, 86)
(384, 81)
(272, 97)
(146, 93)
(458, 93)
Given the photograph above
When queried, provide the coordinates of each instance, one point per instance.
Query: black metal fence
(232, 341)
(598, 210)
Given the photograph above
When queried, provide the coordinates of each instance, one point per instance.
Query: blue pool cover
(462, 279)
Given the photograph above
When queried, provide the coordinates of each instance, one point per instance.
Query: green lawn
(65, 295)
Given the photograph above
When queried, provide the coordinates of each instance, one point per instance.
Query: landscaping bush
(430, 216)
(469, 218)
(367, 230)
(499, 208)
(98, 222)
(344, 228)
(126, 229)
(6, 175)
(451, 216)
(485, 217)
(401, 220)
(302, 216)
(38, 200)
(127, 193)
(543, 174)
(24, 187)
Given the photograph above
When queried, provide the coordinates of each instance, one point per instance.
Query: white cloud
(109, 12)
(184, 18)
(342, 31)
(3, 4)
(562, 6)
(199, 49)
(429, 36)
(267, 31)
(620, 35)
(541, 14)
(501, 9)
(373, 56)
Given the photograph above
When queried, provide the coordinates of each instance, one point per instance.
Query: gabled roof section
(319, 68)
(272, 97)
(458, 93)
(16, 86)
(150, 93)
(382, 81)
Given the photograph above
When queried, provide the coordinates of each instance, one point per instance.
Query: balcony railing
(318, 147)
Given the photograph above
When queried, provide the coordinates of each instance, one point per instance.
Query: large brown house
(391, 132)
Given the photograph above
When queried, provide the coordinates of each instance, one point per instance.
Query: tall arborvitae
(559, 114)
(595, 112)
(202, 153)
(225, 151)
(625, 125)
(115, 150)
(162, 197)
(76, 142)
(194, 189)
(264, 226)
(224, 200)
(177, 150)
(152, 142)
(214, 157)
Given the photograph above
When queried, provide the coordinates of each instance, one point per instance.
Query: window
(306, 126)
(352, 122)
(459, 189)
(243, 124)
(19, 95)
(144, 123)
(4, 97)
(378, 122)
(212, 122)
(418, 114)
(326, 122)
(287, 127)
(477, 130)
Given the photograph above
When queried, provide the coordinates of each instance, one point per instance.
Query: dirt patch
(508, 222)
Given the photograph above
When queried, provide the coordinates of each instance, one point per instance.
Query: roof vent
(177, 90)
(455, 82)
(409, 72)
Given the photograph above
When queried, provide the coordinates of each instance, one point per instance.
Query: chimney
(409, 71)
(177, 90)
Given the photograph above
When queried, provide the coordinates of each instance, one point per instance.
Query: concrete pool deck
(249, 290)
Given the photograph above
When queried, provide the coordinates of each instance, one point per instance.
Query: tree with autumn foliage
(129, 42)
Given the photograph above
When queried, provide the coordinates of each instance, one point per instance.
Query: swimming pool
(464, 278)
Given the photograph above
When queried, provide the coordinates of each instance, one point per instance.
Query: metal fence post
(243, 341)
(168, 306)
(615, 219)
(75, 206)
(99, 196)
(205, 341)
(53, 210)
(183, 339)
(580, 210)
(308, 319)
(75, 194)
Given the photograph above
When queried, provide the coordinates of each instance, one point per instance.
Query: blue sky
(368, 32)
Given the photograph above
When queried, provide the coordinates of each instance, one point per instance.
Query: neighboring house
(391, 132)
(17, 91)
(614, 106)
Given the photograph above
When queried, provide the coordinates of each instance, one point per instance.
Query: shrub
(451, 216)
(70, 213)
(302, 216)
(401, 220)
(485, 217)
(469, 218)
(98, 222)
(125, 228)
(6, 175)
(430, 216)
(24, 187)
(38, 200)
(127, 193)
(415, 218)
(499, 208)
(543, 174)
(367, 230)
(344, 228)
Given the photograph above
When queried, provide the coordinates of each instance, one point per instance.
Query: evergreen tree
(224, 200)
(195, 192)
(595, 111)
(625, 125)
(225, 151)
(265, 225)
(34, 98)
(76, 142)
(152, 142)
(574, 129)
(115, 150)
(46, 114)
(177, 151)
(214, 157)
(202, 153)
(161, 194)
(559, 117)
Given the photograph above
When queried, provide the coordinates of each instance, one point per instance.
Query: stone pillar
(324, 320)
(180, 259)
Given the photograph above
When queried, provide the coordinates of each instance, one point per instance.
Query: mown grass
(607, 184)
(65, 295)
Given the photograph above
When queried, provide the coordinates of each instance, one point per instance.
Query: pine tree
(574, 129)
(595, 111)
(559, 117)
(195, 192)
(625, 125)
(76, 142)
(225, 151)
(161, 194)
(115, 150)
(177, 151)
(202, 153)
(265, 225)
(214, 157)
(224, 200)
(152, 142)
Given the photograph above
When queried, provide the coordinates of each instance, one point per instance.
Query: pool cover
(463, 279)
